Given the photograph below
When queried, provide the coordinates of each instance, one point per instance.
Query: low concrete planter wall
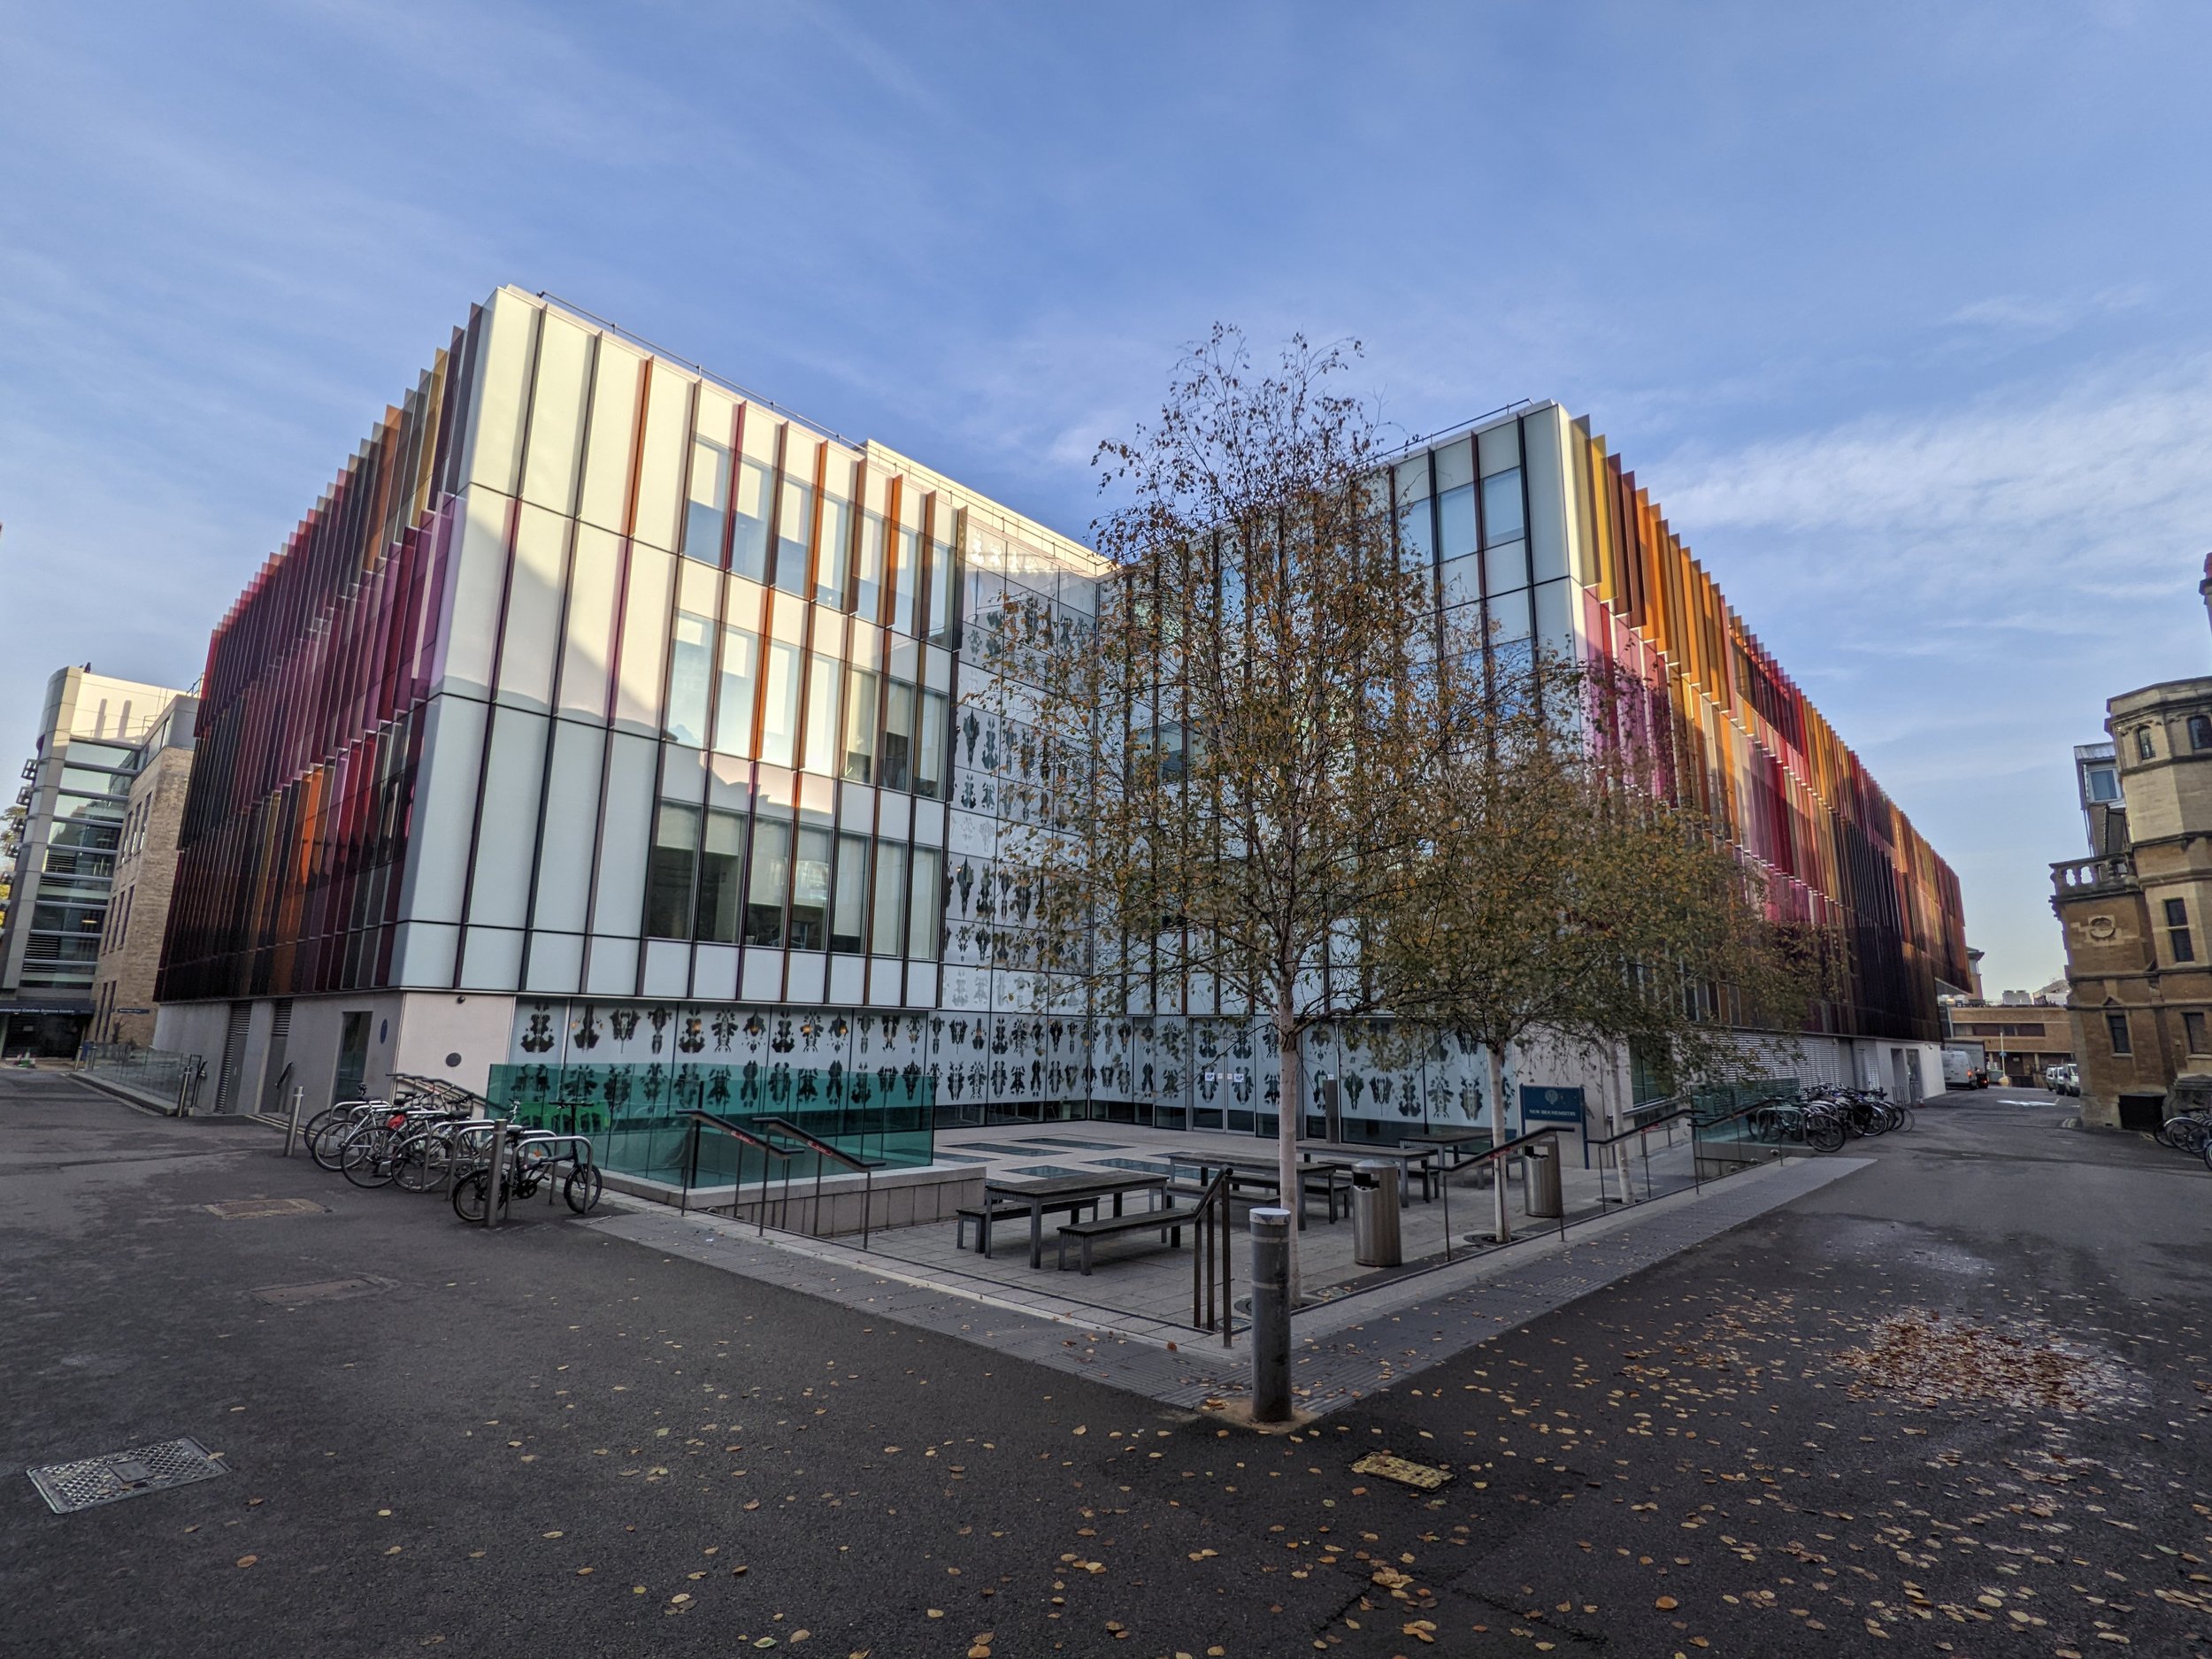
(848, 1204)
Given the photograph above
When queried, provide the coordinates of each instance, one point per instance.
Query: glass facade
(1572, 552)
(607, 686)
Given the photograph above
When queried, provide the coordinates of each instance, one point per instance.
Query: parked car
(2063, 1079)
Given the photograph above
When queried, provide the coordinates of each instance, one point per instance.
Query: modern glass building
(74, 801)
(612, 739)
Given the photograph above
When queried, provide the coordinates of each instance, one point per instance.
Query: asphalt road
(1954, 1403)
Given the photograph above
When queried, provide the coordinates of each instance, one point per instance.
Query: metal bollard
(292, 1129)
(495, 1169)
(1271, 1315)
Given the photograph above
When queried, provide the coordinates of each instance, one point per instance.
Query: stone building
(145, 867)
(2139, 963)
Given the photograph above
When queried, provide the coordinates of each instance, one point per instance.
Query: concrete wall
(454, 1036)
(410, 1031)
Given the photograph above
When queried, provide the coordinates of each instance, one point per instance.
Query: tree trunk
(1289, 1115)
(1501, 1228)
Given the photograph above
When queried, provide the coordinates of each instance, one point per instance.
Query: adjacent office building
(73, 803)
(129, 960)
(608, 735)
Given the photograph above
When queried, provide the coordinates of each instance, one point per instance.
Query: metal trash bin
(1375, 1230)
(1540, 1180)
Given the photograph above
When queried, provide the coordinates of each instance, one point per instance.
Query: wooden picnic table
(1415, 1160)
(1059, 1189)
(1264, 1173)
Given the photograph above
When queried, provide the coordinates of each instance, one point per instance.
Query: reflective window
(1507, 565)
(809, 889)
(868, 570)
(780, 705)
(668, 875)
(2104, 784)
(689, 665)
(2144, 748)
(939, 621)
(795, 515)
(734, 696)
(860, 725)
(708, 499)
(926, 910)
(771, 877)
(721, 877)
(849, 922)
(1502, 506)
(888, 924)
(837, 533)
(86, 834)
(1463, 580)
(2201, 731)
(1415, 546)
(1456, 522)
(95, 782)
(2116, 1027)
(748, 535)
(906, 579)
(825, 676)
(929, 751)
(898, 737)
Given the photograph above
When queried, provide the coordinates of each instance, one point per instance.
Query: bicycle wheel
(2191, 1135)
(582, 1189)
(1824, 1135)
(366, 1158)
(422, 1163)
(470, 1194)
(327, 1142)
(1903, 1117)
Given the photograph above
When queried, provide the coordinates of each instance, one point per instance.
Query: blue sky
(1898, 310)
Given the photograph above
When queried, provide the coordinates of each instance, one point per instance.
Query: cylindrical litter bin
(1540, 1179)
(1375, 1233)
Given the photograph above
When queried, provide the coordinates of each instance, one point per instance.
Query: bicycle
(530, 1163)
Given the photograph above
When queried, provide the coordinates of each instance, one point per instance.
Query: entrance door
(353, 1056)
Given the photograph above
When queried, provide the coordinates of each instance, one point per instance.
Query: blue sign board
(1547, 1105)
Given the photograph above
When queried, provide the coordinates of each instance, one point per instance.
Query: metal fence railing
(169, 1082)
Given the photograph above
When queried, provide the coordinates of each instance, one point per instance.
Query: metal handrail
(823, 1149)
(1639, 1129)
(702, 1118)
(1212, 1254)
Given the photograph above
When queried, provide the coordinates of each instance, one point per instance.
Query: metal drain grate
(68, 1487)
(322, 1290)
(256, 1209)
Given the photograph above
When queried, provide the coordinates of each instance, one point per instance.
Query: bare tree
(1562, 899)
(1249, 745)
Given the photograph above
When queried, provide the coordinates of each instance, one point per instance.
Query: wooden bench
(1168, 1223)
(1012, 1212)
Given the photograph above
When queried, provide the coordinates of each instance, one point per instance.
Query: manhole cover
(258, 1209)
(68, 1487)
(1383, 1466)
(322, 1290)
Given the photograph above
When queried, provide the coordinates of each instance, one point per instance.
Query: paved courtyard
(1945, 1394)
(1140, 1285)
